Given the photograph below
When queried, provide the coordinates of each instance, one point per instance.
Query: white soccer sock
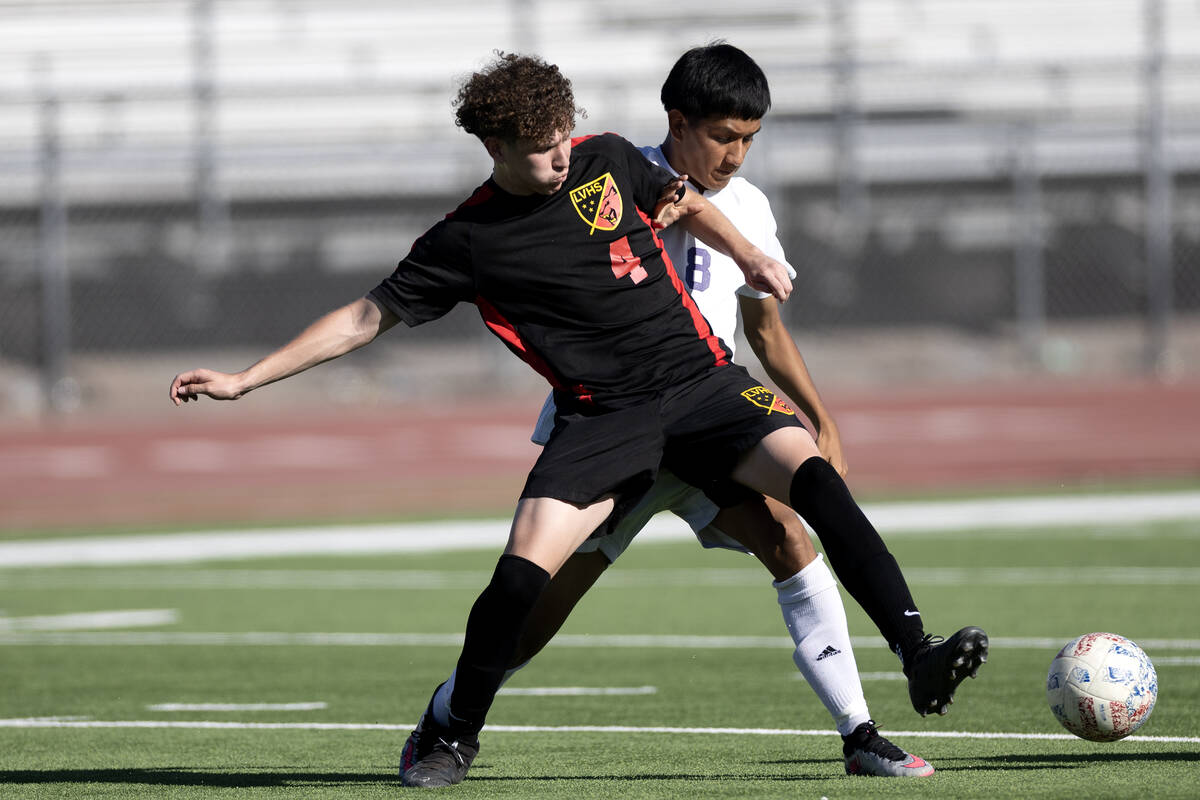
(816, 619)
(441, 698)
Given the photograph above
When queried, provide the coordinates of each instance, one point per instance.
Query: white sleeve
(768, 242)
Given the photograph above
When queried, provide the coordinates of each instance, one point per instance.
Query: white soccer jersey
(714, 279)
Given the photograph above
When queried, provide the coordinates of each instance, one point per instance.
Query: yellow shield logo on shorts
(763, 397)
(599, 203)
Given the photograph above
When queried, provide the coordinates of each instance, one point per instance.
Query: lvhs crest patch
(599, 203)
(763, 397)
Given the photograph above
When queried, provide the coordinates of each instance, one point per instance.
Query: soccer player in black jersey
(558, 252)
(716, 97)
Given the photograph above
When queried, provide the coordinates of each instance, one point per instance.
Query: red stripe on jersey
(507, 332)
(584, 138)
(702, 327)
(480, 195)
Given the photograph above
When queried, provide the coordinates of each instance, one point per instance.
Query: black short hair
(716, 80)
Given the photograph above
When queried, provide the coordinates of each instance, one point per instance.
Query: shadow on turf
(1061, 760)
(233, 780)
(189, 777)
(238, 780)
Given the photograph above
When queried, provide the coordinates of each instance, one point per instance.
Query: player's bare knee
(792, 552)
(772, 532)
(752, 525)
(797, 551)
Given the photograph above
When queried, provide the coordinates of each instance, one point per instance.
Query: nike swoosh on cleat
(912, 613)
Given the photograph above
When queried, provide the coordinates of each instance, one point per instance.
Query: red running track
(225, 466)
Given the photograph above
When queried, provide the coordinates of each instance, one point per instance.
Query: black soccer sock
(857, 553)
(493, 628)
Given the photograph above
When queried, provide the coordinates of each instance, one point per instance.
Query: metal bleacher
(324, 99)
(177, 166)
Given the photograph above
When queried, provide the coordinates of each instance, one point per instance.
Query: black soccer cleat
(937, 667)
(408, 756)
(432, 756)
(868, 753)
(431, 760)
(412, 746)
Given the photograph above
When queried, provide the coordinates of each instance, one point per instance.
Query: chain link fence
(186, 178)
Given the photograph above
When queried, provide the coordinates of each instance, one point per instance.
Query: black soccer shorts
(699, 429)
(712, 422)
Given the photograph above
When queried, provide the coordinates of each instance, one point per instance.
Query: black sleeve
(433, 278)
(648, 179)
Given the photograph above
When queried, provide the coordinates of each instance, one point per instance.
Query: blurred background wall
(986, 190)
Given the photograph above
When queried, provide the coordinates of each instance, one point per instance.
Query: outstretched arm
(777, 352)
(705, 221)
(335, 334)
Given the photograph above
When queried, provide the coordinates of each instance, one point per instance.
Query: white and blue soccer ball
(1101, 687)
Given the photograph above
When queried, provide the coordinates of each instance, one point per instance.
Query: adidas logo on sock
(830, 650)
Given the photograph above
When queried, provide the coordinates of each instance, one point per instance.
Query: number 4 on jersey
(624, 262)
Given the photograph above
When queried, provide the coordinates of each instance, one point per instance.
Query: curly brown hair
(517, 97)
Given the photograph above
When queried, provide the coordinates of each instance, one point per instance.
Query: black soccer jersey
(575, 283)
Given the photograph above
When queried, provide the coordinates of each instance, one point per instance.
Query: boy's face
(527, 167)
(711, 150)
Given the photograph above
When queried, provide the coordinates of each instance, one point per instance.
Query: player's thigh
(772, 532)
(546, 530)
(768, 466)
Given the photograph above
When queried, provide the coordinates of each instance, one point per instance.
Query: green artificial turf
(1031, 589)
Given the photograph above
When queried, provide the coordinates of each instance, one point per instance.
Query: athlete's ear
(676, 124)
(495, 148)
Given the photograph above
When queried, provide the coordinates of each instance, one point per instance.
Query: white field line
(874, 676)
(142, 618)
(1105, 511)
(237, 706)
(187, 547)
(580, 691)
(1177, 661)
(623, 578)
(287, 639)
(50, 722)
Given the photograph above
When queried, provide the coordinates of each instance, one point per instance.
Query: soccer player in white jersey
(715, 97)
